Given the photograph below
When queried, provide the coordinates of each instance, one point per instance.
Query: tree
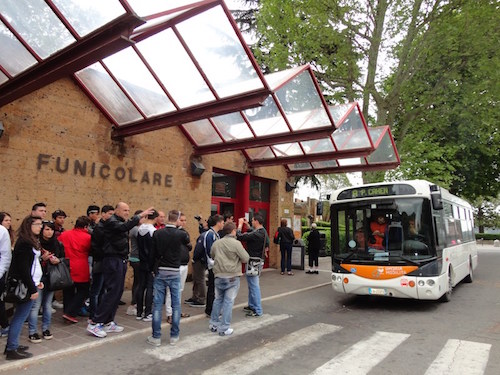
(486, 214)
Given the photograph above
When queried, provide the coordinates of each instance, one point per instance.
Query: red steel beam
(347, 168)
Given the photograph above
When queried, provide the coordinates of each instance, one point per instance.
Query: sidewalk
(71, 338)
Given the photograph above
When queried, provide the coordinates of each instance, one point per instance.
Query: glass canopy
(295, 110)
(350, 139)
(42, 41)
(384, 157)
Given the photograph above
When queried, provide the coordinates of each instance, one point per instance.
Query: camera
(198, 217)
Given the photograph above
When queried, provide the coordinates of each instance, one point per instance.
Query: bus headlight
(430, 282)
(421, 282)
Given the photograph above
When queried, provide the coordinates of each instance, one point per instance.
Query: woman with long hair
(53, 253)
(6, 221)
(26, 267)
(5, 258)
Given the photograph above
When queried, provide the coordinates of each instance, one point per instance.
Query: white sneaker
(227, 332)
(53, 310)
(96, 330)
(148, 318)
(57, 305)
(113, 328)
(173, 340)
(152, 341)
(131, 310)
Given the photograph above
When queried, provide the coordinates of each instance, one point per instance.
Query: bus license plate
(377, 291)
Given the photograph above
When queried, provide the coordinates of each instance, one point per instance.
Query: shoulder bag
(255, 264)
(15, 291)
(58, 276)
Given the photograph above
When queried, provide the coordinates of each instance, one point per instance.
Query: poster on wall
(297, 226)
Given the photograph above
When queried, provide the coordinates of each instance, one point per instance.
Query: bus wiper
(415, 263)
(351, 254)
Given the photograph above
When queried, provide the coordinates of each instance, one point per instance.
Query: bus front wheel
(447, 295)
(470, 277)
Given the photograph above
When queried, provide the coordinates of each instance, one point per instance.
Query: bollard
(496, 243)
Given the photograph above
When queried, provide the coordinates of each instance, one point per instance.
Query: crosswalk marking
(461, 357)
(273, 351)
(207, 339)
(363, 356)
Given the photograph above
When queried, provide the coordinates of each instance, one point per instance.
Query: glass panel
(302, 104)
(13, 56)
(232, 126)
(202, 132)
(259, 191)
(351, 133)
(260, 153)
(325, 164)
(287, 149)
(108, 94)
(87, 16)
(266, 120)
(179, 75)
(138, 81)
(223, 185)
(384, 152)
(278, 78)
(147, 8)
(220, 53)
(318, 146)
(299, 166)
(350, 161)
(37, 24)
(339, 111)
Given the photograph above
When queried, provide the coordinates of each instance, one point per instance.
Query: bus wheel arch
(446, 297)
(470, 277)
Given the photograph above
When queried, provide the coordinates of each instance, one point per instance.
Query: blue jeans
(16, 324)
(160, 284)
(254, 301)
(286, 252)
(226, 290)
(45, 300)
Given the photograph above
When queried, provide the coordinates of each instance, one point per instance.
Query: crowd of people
(99, 250)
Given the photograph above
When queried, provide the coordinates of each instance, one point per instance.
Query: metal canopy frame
(350, 139)
(31, 61)
(384, 157)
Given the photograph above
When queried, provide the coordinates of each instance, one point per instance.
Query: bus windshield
(394, 230)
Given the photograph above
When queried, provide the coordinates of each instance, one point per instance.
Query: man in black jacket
(114, 267)
(167, 252)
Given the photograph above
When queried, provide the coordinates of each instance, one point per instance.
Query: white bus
(408, 239)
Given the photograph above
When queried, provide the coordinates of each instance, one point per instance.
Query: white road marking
(461, 357)
(204, 340)
(273, 351)
(364, 355)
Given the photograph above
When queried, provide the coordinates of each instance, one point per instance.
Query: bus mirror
(437, 201)
(319, 208)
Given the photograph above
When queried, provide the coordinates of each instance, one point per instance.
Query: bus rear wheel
(446, 297)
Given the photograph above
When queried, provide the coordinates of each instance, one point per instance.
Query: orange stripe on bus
(379, 272)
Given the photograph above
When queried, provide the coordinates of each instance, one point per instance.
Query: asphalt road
(319, 331)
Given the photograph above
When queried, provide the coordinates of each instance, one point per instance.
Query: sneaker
(252, 313)
(131, 310)
(47, 335)
(20, 348)
(70, 318)
(17, 354)
(121, 303)
(196, 304)
(53, 310)
(96, 330)
(310, 272)
(35, 338)
(227, 332)
(316, 272)
(57, 305)
(152, 341)
(113, 327)
(247, 308)
(189, 300)
(4, 332)
(212, 327)
(139, 317)
(148, 318)
(173, 340)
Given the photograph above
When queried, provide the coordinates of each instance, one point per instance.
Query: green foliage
(328, 239)
(488, 236)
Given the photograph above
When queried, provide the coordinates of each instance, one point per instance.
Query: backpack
(199, 253)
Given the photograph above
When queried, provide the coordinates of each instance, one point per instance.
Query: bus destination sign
(377, 191)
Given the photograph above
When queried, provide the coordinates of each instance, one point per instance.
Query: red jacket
(77, 247)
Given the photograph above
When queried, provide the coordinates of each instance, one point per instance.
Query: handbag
(58, 276)
(15, 291)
